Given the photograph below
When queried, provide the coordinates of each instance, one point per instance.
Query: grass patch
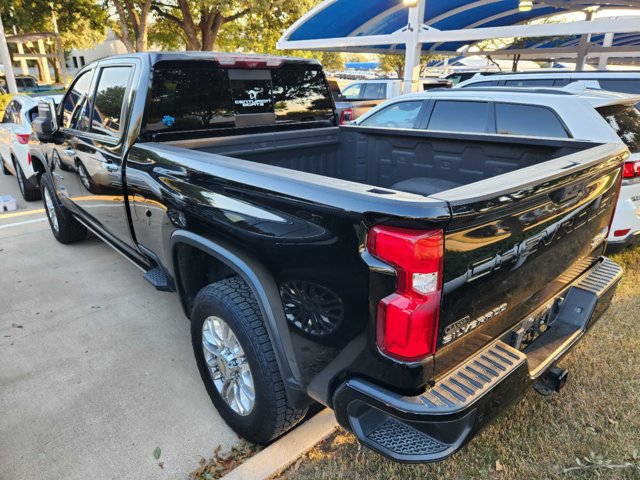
(594, 424)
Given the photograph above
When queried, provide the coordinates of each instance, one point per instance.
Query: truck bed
(414, 162)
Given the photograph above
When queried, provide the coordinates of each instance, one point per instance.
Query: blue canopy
(349, 18)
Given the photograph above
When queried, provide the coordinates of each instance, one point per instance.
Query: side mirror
(46, 123)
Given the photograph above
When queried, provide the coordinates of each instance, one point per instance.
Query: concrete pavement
(96, 367)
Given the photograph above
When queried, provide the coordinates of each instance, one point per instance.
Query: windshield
(201, 95)
(625, 121)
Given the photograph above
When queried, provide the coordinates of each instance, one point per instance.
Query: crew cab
(532, 112)
(307, 271)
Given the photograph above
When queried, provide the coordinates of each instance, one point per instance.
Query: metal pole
(583, 48)
(5, 56)
(604, 59)
(413, 47)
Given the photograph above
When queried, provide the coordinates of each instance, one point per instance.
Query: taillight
(407, 320)
(346, 116)
(631, 169)
(23, 138)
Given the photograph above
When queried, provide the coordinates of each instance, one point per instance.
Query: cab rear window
(201, 95)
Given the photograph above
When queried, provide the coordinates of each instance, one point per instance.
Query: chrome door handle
(111, 167)
(70, 151)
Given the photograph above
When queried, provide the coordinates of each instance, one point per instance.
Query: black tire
(5, 170)
(68, 230)
(28, 191)
(232, 301)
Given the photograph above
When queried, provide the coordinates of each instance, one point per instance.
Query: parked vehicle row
(415, 281)
(15, 157)
(572, 112)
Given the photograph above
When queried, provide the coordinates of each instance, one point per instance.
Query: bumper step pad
(478, 375)
(404, 440)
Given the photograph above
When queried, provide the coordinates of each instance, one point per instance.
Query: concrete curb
(278, 456)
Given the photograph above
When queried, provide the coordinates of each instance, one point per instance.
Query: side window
(17, 110)
(488, 83)
(624, 85)
(75, 98)
(109, 99)
(528, 120)
(352, 92)
(398, 115)
(374, 91)
(561, 82)
(458, 116)
(8, 113)
(537, 82)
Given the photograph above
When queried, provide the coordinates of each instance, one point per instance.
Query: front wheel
(64, 227)
(237, 363)
(28, 191)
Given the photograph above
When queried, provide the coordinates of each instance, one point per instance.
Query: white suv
(545, 113)
(15, 131)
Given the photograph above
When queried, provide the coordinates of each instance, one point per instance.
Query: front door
(98, 152)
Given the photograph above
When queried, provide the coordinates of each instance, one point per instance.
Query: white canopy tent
(390, 26)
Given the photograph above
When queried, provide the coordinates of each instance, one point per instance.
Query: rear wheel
(64, 227)
(28, 191)
(237, 363)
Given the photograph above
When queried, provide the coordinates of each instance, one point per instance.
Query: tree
(395, 63)
(133, 23)
(78, 20)
(201, 21)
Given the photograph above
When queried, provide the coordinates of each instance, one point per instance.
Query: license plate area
(532, 327)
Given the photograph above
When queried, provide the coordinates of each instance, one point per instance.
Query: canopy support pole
(413, 47)
(583, 47)
(604, 59)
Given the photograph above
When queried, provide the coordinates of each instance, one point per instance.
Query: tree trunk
(125, 34)
(189, 27)
(211, 33)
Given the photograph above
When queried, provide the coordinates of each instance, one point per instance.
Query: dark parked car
(308, 271)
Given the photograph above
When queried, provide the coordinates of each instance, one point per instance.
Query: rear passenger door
(464, 116)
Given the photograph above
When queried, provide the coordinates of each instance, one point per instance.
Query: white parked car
(570, 112)
(15, 131)
(612, 80)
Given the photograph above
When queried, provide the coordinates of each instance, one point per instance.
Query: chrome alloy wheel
(228, 365)
(51, 210)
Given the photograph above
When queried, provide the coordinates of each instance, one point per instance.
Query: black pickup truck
(306, 271)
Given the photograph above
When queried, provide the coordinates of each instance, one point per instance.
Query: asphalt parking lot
(96, 367)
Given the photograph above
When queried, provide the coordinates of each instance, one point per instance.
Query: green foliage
(4, 101)
(80, 22)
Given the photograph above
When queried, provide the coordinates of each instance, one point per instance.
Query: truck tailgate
(507, 254)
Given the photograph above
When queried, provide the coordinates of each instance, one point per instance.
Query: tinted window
(352, 92)
(537, 82)
(488, 83)
(300, 95)
(398, 115)
(108, 100)
(561, 82)
(621, 85)
(450, 116)
(626, 123)
(528, 120)
(78, 91)
(375, 91)
(199, 95)
(10, 112)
